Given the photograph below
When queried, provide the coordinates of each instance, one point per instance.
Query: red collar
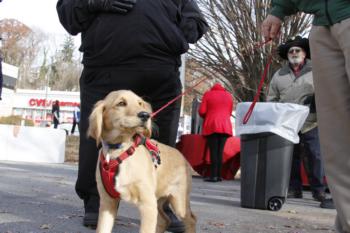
(109, 169)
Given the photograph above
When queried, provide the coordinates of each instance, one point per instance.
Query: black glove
(310, 101)
(192, 22)
(114, 6)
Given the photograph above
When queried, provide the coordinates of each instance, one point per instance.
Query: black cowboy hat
(297, 41)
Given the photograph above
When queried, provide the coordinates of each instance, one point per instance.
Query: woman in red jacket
(216, 109)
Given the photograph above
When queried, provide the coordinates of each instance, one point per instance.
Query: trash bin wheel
(275, 204)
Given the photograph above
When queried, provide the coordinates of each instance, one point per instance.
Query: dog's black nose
(144, 116)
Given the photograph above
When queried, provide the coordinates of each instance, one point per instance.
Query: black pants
(55, 123)
(157, 86)
(308, 150)
(216, 143)
(75, 123)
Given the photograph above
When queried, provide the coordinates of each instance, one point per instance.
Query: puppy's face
(120, 114)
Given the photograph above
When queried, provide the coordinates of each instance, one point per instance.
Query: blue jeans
(308, 151)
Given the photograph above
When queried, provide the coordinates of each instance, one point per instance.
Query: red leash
(177, 97)
(249, 113)
(250, 110)
(263, 77)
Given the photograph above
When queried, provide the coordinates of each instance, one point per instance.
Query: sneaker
(319, 196)
(327, 203)
(175, 226)
(294, 193)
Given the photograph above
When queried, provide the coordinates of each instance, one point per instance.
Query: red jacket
(216, 109)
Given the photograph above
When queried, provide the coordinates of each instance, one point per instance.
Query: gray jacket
(286, 88)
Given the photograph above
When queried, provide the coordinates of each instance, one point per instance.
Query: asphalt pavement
(38, 198)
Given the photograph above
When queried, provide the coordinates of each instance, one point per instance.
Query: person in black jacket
(55, 114)
(129, 45)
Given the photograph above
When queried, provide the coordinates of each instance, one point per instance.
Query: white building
(10, 74)
(36, 104)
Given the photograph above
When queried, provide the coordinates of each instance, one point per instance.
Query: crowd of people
(144, 56)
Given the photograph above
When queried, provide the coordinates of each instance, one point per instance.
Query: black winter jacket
(154, 32)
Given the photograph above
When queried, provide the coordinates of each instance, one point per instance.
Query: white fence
(32, 144)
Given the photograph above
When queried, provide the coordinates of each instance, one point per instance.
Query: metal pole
(182, 78)
(46, 90)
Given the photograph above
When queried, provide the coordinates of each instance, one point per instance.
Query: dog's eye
(140, 103)
(121, 104)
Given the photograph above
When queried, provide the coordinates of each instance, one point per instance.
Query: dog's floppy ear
(148, 132)
(96, 122)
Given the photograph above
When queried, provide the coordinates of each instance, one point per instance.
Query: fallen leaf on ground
(45, 226)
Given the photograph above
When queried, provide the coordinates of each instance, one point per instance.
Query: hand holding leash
(271, 27)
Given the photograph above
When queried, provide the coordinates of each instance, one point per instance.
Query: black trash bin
(266, 160)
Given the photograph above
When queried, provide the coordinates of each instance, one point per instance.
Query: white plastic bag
(283, 119)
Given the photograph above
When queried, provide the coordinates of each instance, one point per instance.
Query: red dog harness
(109, 169)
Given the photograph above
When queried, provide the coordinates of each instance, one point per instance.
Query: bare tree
(229, 51)
(29, 49)
(12, 33)
(22, 46)
(65, 69)
(34, 50)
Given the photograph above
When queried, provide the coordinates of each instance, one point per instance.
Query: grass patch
(15, 120)
(72, 149)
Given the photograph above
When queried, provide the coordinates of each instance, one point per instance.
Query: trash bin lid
(283, 119)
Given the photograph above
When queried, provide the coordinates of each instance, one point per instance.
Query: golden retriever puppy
(114, 121)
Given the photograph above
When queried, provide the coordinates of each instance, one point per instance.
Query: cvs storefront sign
(34, 102)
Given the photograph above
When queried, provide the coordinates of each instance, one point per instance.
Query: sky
(36, 14)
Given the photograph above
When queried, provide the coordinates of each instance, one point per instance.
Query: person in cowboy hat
(293, 83)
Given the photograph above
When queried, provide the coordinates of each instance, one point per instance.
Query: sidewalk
(36, 198)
